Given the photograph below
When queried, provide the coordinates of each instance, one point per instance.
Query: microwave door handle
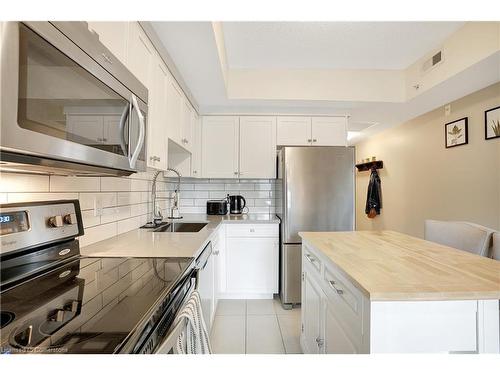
(121, 130)
(142, 133)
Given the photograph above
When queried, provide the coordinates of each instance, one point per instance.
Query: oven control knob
(58, 316)
(55, 221)
(69, 219)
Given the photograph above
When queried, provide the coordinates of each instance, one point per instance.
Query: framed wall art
(456, 133)
(492, 123)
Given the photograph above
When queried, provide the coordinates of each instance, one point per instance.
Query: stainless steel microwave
(68, 106)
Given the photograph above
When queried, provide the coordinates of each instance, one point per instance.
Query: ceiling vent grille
(433, 61)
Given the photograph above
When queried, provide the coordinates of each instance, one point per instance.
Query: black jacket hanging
(374, 195)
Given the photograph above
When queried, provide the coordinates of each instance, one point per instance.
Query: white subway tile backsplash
(139, 209)
(89, 219)
(195, 194)
(33, 197)
(77, 184)
(98, 233)
(125, 201)
(130, 224)
(115, 184)
(141, 185)
(258, 210)
(239, 186)
(263, 186)
(186, 202)
(262, 202)
(256, 194)
(128, 198)
(209, 187)
(87, 200)
(112, 214)
(194, 210)
(184, 187)
(15, 182)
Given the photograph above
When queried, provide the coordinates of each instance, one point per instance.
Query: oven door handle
(169, 343)
(142, 133)
(121, 129)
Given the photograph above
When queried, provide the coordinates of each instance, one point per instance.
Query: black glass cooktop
(91, 305)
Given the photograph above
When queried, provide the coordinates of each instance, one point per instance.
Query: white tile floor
(255, 327)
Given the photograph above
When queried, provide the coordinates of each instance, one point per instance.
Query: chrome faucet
(174, 210)
(157, 217)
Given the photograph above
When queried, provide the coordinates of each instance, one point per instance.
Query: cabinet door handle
(309, 140)
(252, 230)
(332, 284)
(315, 140)
(320, 342)
(310, 258)
(236, 173)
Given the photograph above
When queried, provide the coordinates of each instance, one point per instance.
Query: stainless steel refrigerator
(316, 189)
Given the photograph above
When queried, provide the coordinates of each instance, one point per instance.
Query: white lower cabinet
(248, 263)
(251, 265)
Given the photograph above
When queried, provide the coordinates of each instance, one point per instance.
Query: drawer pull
(252, 230)
(332, 283)
(310, 258)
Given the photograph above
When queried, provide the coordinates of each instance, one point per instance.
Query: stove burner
(6, 318)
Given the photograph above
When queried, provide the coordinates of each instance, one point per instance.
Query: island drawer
(347, 301)
(310, 258)
(252, 230)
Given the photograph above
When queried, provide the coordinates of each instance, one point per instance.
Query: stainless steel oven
(68, 106)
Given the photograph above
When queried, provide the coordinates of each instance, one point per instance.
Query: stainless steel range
(53, 300)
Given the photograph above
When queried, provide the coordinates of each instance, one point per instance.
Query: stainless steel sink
(180, 227)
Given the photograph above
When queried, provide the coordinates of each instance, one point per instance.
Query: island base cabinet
(336, 340)
(433, 327)
(337, 318)
(310, 338)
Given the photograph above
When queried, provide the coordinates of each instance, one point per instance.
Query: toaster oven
(217, 207)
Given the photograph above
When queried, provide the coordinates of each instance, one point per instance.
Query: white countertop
(145, 243)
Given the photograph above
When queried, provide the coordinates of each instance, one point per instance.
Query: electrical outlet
(97, 206)
(447, 109)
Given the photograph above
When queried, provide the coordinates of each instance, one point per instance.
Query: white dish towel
(194, 339)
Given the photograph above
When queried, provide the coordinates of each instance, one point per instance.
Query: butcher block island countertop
(391, 266)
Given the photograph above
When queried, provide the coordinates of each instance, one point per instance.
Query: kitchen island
(383, 291)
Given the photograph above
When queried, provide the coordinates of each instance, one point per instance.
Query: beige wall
(421, 179)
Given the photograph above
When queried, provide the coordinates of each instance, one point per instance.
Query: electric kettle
(236, 204)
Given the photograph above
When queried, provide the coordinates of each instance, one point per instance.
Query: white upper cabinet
(293, 131)
(220, 146)
(140, 54)
(114, 36)
(175, 111)
(329, 131)
(187, 125)
(196, 150)
(311, 131)
(157, 146)
(257, 147)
